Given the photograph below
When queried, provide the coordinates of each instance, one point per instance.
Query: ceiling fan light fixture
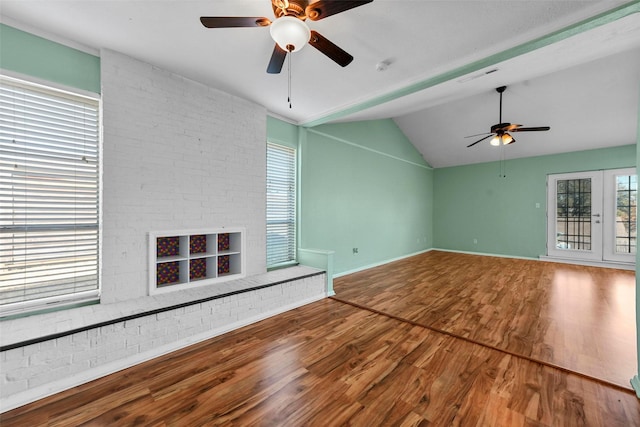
(290, 33)
(502, 138)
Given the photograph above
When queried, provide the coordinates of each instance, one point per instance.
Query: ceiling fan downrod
(500, 90)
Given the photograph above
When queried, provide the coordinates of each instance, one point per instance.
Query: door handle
(596, 215)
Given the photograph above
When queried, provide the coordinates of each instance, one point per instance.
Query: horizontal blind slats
(281, 204)
(48, 192)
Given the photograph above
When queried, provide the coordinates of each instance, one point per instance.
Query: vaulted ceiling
(572, 65)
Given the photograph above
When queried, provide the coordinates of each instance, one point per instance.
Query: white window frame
(281, 211)
(77, 276)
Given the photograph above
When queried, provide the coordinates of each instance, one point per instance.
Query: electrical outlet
(355, 251)
(475, 241)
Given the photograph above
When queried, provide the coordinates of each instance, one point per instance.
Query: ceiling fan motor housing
(290, 8)
(500, 127)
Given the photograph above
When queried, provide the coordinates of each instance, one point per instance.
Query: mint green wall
(473, 202)
(282, 132)
(31, 55)
(363, 185)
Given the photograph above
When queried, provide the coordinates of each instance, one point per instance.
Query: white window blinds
(48, 197)
(281, 204)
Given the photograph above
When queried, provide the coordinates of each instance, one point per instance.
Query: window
(281, 205)
(48, 197)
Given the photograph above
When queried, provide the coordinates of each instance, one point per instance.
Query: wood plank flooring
(579, 318)
(331, 363)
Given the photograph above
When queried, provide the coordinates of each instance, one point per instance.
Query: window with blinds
(281, 205)
(48, 197)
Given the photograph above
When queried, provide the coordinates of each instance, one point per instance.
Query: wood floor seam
(472, 341)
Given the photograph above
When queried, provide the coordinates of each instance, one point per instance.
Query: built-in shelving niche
(188, 258)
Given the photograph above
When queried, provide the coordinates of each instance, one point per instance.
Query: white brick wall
(176, 155)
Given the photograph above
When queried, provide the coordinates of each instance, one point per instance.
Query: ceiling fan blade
(323, 8)
(480, 140)
(338, 55)
(234, 21)
(533, 129)
(478, 134)
(277, 60)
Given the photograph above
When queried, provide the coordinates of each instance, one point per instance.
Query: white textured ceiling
(589, 101)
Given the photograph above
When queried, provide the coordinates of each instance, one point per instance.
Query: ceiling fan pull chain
(503, 162)
(289, 81)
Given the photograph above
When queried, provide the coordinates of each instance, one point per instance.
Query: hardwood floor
(575, 317)
(331, 363)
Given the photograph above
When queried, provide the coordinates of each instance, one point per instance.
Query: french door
(592, 215)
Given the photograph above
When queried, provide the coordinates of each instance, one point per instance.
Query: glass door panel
(574, 218)
(621, 189)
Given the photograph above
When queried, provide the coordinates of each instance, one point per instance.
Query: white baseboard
(37, 393)
(378, 264)
(484, 254)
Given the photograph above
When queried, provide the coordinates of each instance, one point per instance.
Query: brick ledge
(13, 331)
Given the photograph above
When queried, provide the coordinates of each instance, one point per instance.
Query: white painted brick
(85, 355)
(53, 358)
(12, 355)
(15, 364)
(27, 374)
(111, 354)
(46, 346)
(12, 387)
(50, 375)
(151, 331)
(172, 150)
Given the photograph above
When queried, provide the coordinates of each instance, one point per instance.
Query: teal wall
(474, 202)
(34, 56)
(365, 186)
(361, 185)
(282, 132)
